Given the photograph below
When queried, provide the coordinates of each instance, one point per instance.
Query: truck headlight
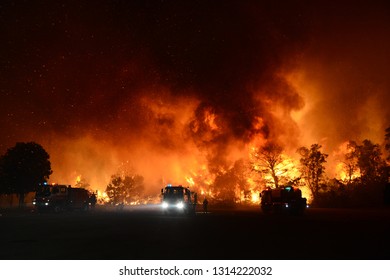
(180, 205)
(165, 205)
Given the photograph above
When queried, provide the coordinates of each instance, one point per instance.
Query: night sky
(174, 84)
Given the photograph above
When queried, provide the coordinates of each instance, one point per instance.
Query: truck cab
(58, 198)
(283, 199)
(177, 199)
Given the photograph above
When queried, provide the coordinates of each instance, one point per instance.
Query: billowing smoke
(177, 88)
(343, 75)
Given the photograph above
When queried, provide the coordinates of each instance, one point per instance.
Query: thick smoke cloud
(172, 86)
(344, 74)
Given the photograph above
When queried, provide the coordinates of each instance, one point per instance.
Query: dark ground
(144, 233)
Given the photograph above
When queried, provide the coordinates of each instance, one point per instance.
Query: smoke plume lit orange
(180, 92)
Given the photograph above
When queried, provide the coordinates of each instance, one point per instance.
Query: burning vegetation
(216, 98)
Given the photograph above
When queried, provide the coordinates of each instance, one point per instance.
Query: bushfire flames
(182, 98)
(202, 135)
(197, 151)
(247, 194)
(234, 176)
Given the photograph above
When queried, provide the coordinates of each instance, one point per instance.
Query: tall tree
(387, 150)
(114, 190)
(365, 163)
(387, 142)
(268, 160)
(125, 188)
(133, 186)
(228, 184)
(350, 162)
(23, 168)
(312, 167)
(372, 166)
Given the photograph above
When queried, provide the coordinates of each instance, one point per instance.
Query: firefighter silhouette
(93, 200)
(205, 203)
(195, 200)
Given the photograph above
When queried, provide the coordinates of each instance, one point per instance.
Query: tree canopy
(126, 189)
(387, 142)
(366, 159)
(312, 167)
(268, 159)
(23, 167)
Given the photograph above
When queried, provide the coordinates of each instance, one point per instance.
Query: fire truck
(283, 199)
(60, 198)
(178, 199)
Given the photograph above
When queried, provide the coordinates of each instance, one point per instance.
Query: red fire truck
(283, 199)
(59, 198)
(178, 199)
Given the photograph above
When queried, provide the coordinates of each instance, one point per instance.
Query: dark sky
(64, 62)
(125, 73)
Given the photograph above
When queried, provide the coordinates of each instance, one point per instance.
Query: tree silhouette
(125, 189)
(368, 173)
(268, 159)
(23, 168)
(387, 142)
(312, 167)
(114, 190)
(228, 182)
(368, 158)
(133, 186)
(350, 162)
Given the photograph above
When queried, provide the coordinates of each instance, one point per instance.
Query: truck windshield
(43, 191)
(173, 192)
